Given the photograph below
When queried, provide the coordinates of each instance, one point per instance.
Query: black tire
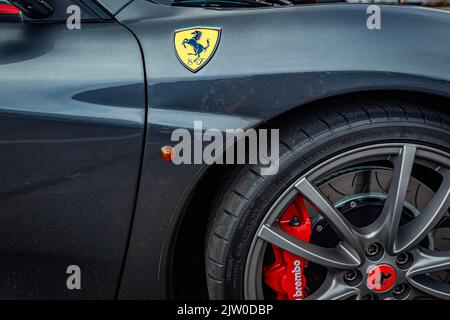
(305, 141)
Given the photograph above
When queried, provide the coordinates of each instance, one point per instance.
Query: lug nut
(369, 297)
(402, 258)
(351, 275)
(400, 291)
(373, 249)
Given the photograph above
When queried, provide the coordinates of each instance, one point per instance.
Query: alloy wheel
(393, 254)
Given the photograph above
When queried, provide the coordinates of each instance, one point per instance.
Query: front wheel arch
(189, 236)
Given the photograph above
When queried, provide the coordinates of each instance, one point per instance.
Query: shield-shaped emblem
(196, 46)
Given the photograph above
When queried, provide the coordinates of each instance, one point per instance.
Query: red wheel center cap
(381, 278)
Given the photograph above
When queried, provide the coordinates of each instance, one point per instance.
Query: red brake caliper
(286, 274)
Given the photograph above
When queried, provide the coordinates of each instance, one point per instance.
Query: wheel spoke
(431, 286)
(339, 257)
(333, 290)
(393, 206)
(339, 224)
(415, 231)
(429, 261)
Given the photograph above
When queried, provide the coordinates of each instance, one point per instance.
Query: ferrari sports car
(94, 206)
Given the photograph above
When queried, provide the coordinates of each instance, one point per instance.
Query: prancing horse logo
(381, 278)
(196, 46)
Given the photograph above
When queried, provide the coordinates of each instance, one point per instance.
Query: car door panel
(72, 112)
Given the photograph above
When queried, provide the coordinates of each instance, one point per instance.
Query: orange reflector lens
(168, 153)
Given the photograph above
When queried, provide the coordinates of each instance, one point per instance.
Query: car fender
(269, 61)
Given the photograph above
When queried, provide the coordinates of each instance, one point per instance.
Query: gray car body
(88, 111)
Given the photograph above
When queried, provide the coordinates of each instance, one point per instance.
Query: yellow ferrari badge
(196, 46)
